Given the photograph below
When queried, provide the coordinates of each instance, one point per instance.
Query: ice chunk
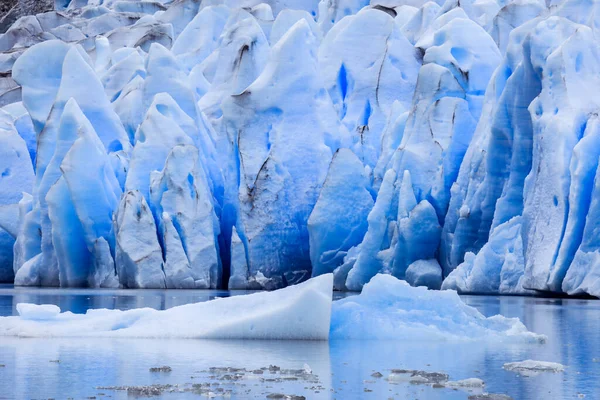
(286, 19)
(559, 117)
(103, 272)
(177, 266)
(181, 192)
(166, 76)
(533, 367)
(16, 177)
(499, 155)
(339, 219)
(390, 140)
(366, 65)
(165, 126)
(239, 266)
(583, 275)
(95, 190)
(283, 122)
(40, 85)
(331, 12)
(390, 309)
(33, 312)
(368, 262)
(180, 15)
(466, 383)
(16, 170)
(417, 230)
(143, 34)
(497, 268)
(121, 73)
(426, 273)
(511, 16)
(300, 312)
(201, 36)
(139, 258)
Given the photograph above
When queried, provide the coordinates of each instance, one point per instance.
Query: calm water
(74, 368)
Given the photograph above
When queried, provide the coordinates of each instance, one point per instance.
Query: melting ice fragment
(533, 367)
(300, 312)
(390, 309)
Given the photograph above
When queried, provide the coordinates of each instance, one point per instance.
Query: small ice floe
(33, 312)
(417, 377)
(533, 367)
(164, 368)
(391, 309)
(466, 383)
(307, 369)
(437, 380)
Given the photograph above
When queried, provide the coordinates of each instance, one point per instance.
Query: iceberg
(300, 312)
(387, 309)
(390, 309)
(533, 367)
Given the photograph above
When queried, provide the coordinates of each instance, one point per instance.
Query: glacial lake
(120, 369)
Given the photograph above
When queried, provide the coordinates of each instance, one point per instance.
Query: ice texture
(16, 177)
(252, 145)
(387, 308)
(339, 219)
(533, 367)
(390, 309)
(300, 312)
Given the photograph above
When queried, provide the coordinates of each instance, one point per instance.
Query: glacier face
(252, 145)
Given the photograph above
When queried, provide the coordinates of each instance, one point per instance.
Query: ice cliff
(249, 145)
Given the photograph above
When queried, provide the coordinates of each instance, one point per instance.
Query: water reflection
(344, 367)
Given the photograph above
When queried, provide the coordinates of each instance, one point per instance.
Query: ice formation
(249, 145)
(301, 312)
(386, 309)
(390, 309)
(533, 367)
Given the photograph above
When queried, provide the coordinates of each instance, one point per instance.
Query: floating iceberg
(299, 312)
(533, 367)
(387, 309)
(390, 309)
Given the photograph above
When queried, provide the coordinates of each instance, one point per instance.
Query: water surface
(81, 368)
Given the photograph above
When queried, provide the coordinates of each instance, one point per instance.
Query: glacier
(250, 144)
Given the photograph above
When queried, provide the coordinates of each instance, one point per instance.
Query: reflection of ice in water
(113, 362)
(342, 366)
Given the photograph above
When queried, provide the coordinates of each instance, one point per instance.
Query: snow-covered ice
(387, 309)
(296, 312)
(390, 309)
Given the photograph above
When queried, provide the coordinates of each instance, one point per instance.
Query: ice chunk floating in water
(387, 309)
(296, 312)
(390, 309)
(533, 367)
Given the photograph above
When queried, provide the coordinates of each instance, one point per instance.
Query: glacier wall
(252, 145)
